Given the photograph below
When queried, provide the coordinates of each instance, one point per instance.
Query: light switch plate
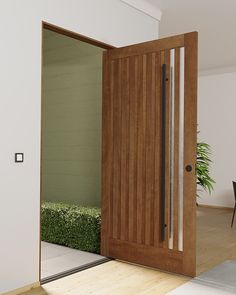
(19, 157)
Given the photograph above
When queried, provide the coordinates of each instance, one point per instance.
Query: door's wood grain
(132, 173)
(148, 47)
(116, 161)
(190, 149)
(157, 151)
(125, 148)
(133, 129)
(107, 155)
(140, 148)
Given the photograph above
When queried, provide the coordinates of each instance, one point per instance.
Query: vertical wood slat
(147, 164)
(144, 151)
(141, 147)
(157, 158)
(124, 164)
(133, 116)
(153, 127)
(190, 144)
(116, 148)
(150, 140)
(176, 151)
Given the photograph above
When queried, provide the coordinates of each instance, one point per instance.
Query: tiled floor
(57, 259)
(218, 280)
(194, 288)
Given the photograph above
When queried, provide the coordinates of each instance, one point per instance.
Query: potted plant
(204, 179)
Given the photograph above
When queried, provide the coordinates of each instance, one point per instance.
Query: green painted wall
(71, 120)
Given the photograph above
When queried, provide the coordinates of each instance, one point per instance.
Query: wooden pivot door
(149, 154)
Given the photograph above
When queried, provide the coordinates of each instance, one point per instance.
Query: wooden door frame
(79, 37)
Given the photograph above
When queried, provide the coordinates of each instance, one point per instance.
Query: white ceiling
(215, 20)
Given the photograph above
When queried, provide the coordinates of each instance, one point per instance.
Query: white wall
(217, 123)
(110, 21)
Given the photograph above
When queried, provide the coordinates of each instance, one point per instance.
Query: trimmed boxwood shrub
(72, 226)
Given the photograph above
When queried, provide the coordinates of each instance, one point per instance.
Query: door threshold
(74, 270)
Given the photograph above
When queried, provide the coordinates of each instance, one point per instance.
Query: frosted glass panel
(172, 101)
(181, 150)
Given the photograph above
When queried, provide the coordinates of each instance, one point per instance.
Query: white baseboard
(215, 207)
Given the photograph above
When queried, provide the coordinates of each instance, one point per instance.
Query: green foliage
(72, 226)
(204, 179)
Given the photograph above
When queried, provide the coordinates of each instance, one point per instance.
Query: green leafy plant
(204, 179)
(72, 226)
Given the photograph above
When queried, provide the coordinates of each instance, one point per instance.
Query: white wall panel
(109, 21)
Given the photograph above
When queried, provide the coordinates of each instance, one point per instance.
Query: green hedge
(72, 226)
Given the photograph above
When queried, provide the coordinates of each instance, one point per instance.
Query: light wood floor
(216, 243)
(113, 278)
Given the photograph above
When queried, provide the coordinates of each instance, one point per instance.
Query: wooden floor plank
(114, 277)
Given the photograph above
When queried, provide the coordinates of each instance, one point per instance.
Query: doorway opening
(136, 210)
(70, 153)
